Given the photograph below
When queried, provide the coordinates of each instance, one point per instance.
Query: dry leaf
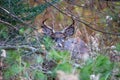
(64, 76)
(3, 53)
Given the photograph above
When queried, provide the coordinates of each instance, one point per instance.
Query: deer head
(58, 36)
(75, 46)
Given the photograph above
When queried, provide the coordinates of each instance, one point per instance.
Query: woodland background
(24, 52)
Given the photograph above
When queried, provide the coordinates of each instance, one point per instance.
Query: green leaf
(66, 67)
(118, 47)
(47, 41)
(16, 69)
(101, 65)
(21, 31)
(59, 56)
(38, 75)
(12, 71)
(39, 59)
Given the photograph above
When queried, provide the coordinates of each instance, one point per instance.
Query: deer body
(75, 46)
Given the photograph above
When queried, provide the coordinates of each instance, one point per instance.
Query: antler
(73, 21)
(46, 29)
(43, 22)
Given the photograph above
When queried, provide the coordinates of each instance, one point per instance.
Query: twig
(72, 16)
(12, 15)
(16, 17)
(26, 47)
(6, 23)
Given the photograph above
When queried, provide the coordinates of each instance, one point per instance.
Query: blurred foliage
(14, 61)
(38, 75)
(20, 63)
(102, 65)
(3, 32)
(34, 11)
(118, 47)
(17, 66)
(59, 56)
(22, 9)
(66, 67)
(47, 42)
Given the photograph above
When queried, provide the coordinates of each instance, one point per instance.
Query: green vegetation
(16, 66)
(29, 55)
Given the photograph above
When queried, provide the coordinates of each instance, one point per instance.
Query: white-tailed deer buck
(76, 46)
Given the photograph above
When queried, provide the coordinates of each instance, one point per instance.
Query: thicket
(27, 55)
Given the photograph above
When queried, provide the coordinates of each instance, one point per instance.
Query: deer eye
(58, 35)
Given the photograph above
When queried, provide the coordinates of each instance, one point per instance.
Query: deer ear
(46, 30)
(69, 31)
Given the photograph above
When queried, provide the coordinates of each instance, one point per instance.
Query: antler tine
(43, 22)
(44, 25)
(73, 21)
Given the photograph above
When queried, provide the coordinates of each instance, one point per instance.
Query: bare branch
(6, 23)
(16, 17)
(26, 47)
(12, 15)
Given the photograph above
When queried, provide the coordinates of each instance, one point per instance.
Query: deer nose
(59, 42)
